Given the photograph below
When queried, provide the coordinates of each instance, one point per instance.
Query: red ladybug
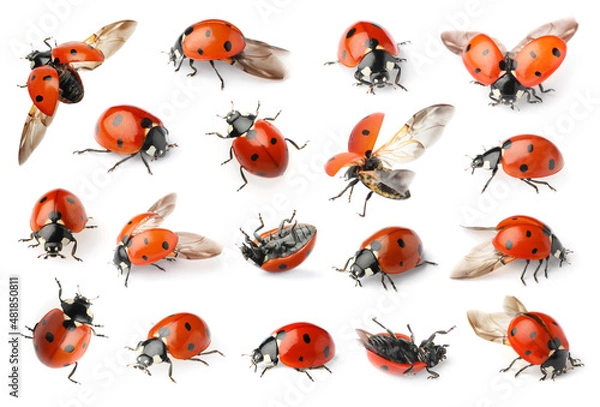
(301, 345)
(141, 241)
(513, 74)
(63, 335)
(370, 49)
(54, 77)
(517, 237)
(525, 157)
(218, 40)
(259, 146)
(56, 216)
(183, 336)
(392, 250)
(131, 131)
(280, 249)
(372, 167)
(536, 337)
(398, 354)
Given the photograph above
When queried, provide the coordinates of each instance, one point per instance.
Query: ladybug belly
(394, 362)
(71, 87)
(294, 248)
(262, 151)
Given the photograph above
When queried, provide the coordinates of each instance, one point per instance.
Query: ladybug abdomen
(212, 40)
(71, 87)
(362, 38)
(123, 129)
(58, 342)
(523, 242)
(534, 336)
(304, 345)
(185, 335)
(59, 206)
(262, 151)
(530, 156)
(151, 246)
(397, 249)
(289, 250)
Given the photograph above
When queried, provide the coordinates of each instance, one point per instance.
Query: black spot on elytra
(344, 53)
(70, 200)
(254, 157)
(530, 148)
(538, 74)
(507, 144)
(273, 141)
(164, 332)
(477, 70)
(468, 48)
(44, 199)
(187, 326)
(47, 78)
(532, 54)
(523, 168)
(556, 52)
(528, 233)
(117, 120)
(384, 368)
(282, 266)
(375, 245)
(551, 164)
(371, 43)
(145, 257)
(326, 351)
(84, 345)
(54, 216)
(401, 243)
(32, 78)
(351, 32)
(39, 98)
(200, 51)
(509, 244)
(165, 245)
(190, 346)
(401, 264)
(73, 51)
(281, 335)
(49, 337)
(207, 33)
(227, 45)
(120, 142)
(527, 352)
(485, 52)
(69, 348)
(534, 251)
(513, 332)
(301, 359)
(306, 338)
(146, 241)
(188, 30)
(365, 132)
(533, 334)
(146, 123)
(502, 65)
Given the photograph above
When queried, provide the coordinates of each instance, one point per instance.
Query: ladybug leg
(270, 118)
(349, 186)
(292, 142)
(525, 367)
(167, 360)
(273, 364)
(191, 63)
(494, 171)
(31, 237)
(283, 222)
(121, 162)
(574, 362)
(70, 376)
(158, 267)
(524, 271)
(74, 249)
(545, 90)
(506, 369)
(383, 277)
(212, 64)
(145, 162)
(399, 71)
(424, 262)
(331, 63)
(262, 225)
(389, 331)
(432, 374)
(412, 335)
(531, 182)
(31, 337)
(364, 212)
(230, 151)
(345, 268)
(532, 97)
(90, 150)
(538, 269)
(243, 178)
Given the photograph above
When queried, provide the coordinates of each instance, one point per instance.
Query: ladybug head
(253, 253)
(488, 160)
(267, 352)
(39, 58)
(176, 54)
(364, 264)
(121, 260)
(556, 364)
(143, 362)
(78, 308)
(431, 353)
(156, 143)
(53, 249)
(559, 251)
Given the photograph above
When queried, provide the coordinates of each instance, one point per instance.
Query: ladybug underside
(279, 245)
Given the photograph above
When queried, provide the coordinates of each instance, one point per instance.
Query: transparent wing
(396, 180)
(420, 132)
(513, 306)
(261, 59)
(455, 41)
(109, 39)
(481, 260)
(193, 246)
(153, 218)
(363, 337)
(165, 205)
(34, 130)
(564, 28)
(492, 327)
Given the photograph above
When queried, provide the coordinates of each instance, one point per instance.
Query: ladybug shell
(483, 59)
(151, 246)
(303, 345)
(186, 335)
(539, 59)
(296, 258)
(123, 129)
(524, 241)
(360, 39)
(520, 220)
(59, 206)
(76, 51)
(130, 227)
(392, 367)
(530, 156)
(262, 151)
(397, 249)
(43, 86)
(55, 345)
(211, 40)
(531, 335)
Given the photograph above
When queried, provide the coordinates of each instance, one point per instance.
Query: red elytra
(397, 249)
(361, 38)
(151, 246)
(43, 86)
(76, 51)
(262, 151)
(133, 224)
(59, 206)
(391, 367)
(212, 40)
(523, 242)
(186, 335)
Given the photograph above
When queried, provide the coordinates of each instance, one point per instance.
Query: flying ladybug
(54, 77)
(515, 73)
(374, 168)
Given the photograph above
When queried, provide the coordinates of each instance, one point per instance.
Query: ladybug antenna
(141, 367)
(252, 362)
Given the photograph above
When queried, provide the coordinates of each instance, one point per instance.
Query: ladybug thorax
(121, 259)
(239, 123)
(154, 350)
(156, 143)
(176, 52)
(39, 58)
(556, 364)
(558, 250)
(365, 263)
(54, 236)
(267, 352)
(488, 160)
(507, 88)
(376, 66)
(78, 309)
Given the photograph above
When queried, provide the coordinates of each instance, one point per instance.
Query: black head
(176, 54)
(477, 163)
(556, 364)
(121, 260)
(253, 253)
(78, 309)
(558, 250)
(156, 143)
(39, 58)
(53, 249)
(267, 352)
(431, 353)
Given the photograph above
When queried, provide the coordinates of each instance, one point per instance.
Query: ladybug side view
(54, 77)
(510, 75)
(370, 49)
(183, 336)
(392, 250)
(398, 354)
(131, 131)
(517, 237)
(301, 345)
(374, 168)
(142, 242)
(280, 249)
(55, 218)
(536, 337)
(524, 157)
(218, 40)
(259, 147)
(62, 336)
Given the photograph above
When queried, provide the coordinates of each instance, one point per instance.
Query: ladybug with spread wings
(54, 77)
(373, 167)
(517, 72)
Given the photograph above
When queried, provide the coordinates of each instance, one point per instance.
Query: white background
(242, 304)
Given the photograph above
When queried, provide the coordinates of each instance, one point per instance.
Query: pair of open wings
(494, 326)
(189, 245)
(108, 40)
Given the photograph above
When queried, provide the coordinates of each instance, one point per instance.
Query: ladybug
(280, 249)
(300, 345)
(370, 49)
(142, 242)
(517, 237)
(259, 146)
(218, 40)
(392, 250)
(372, 167)
(513, 74)
(63, 335)
(398, 354)
(131, 131)
(54, 77)
(183, 336)
(525, 157)
(536, 337)
(56, 216)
